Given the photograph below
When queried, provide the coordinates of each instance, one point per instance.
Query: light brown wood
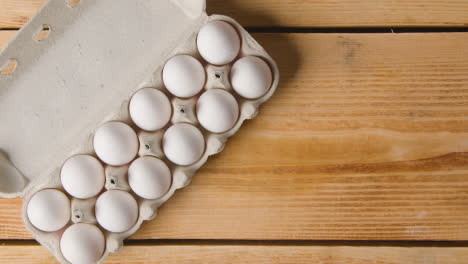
(366, 138)
(170, 254)
(305, 13)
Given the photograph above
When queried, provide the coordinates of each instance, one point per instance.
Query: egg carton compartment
(150, 143)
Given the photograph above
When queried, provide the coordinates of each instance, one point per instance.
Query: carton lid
(65, 85)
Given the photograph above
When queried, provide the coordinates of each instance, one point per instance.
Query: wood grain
(307, 13)
(173, 254)
(366, 138)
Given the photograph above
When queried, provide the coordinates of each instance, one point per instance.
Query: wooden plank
(306, 13)
(366, 138)
(254, 254)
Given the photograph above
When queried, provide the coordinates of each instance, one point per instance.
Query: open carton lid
(66, 84)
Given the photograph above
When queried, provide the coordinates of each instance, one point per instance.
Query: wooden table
(361, 156)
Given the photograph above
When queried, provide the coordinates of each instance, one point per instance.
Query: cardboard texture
(94, 57)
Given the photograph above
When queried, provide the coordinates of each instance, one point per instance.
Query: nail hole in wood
(9, 67)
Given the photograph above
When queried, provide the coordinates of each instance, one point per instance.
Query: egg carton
(56, 91)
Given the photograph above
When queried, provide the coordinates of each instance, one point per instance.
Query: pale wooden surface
(366, 138)
(206, 254)
(305, 13)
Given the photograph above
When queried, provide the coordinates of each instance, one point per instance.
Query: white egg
(116, 211)
(217, 110)
(183, 144)
(82, 176)
(218, 42)
(184, 76)
(116, 143)
(82, 244)
(251, 77)
(150, 109)
(149, 177)
(49, 210)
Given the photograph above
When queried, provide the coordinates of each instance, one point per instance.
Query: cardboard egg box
(55, 91)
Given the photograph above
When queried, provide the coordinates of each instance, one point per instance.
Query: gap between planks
(225, 242)
(356, 30)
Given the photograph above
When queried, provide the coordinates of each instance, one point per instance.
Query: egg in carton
(117, 108)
